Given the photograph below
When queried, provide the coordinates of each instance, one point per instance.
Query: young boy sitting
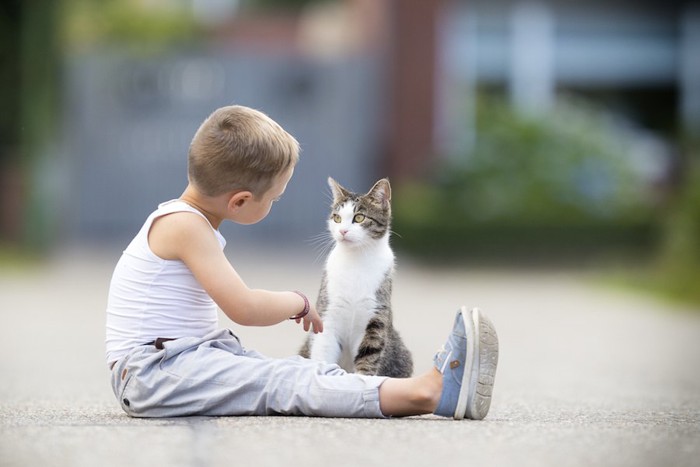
(167, 356)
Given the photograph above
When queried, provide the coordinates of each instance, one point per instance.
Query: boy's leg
(216, 376)
(411, 396)
(461, 382)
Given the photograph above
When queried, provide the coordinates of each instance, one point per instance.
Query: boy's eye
(336, 218)
(358, 218)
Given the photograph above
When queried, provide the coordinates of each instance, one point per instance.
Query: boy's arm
(189, 238)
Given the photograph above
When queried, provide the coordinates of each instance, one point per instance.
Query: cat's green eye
(336, 218)
(358, 218)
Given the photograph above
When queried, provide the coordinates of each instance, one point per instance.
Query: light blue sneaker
(468, 363)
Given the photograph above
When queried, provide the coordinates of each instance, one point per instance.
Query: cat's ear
(381, 192)
(339, 193)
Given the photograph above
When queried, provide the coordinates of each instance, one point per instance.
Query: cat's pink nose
(343, 232)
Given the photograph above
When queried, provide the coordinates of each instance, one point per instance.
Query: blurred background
(514, 132)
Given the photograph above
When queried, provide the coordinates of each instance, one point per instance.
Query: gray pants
(214, 375)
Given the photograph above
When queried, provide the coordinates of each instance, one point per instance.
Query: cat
(355, 295)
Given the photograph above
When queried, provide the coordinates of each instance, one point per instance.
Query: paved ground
(588, 376)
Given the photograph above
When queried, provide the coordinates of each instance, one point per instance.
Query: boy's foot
(468, 363)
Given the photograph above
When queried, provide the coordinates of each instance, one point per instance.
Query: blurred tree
(40, 50)
(287, 5)
(10, 41)
(679, 266)
(564, 182)
(29, 48)
(144, 25)
(9, 75)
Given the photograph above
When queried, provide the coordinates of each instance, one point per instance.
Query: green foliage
(566, 177)
(10, 80)
(127, 22)
(679, 268)
(675, 273)
(281, 5)
(15, 260)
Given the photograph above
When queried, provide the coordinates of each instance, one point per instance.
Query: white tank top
(150, 297)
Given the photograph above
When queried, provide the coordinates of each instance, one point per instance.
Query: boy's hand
(312, 320)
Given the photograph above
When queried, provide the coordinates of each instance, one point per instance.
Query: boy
(163, 347)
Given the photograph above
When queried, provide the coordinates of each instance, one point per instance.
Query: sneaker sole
(480, 366)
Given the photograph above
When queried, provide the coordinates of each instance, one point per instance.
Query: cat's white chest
(353, 279)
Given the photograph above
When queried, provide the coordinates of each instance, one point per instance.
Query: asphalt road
(588, 376)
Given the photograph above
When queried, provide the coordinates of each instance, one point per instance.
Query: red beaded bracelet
(306, 309)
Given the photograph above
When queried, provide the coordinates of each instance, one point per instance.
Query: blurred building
(640, 59)
(370, 88)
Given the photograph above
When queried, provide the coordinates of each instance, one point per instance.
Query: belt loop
(159, 342)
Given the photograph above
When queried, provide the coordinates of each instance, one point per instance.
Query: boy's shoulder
(172, 234)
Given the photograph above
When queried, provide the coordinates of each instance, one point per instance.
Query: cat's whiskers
(322, 243)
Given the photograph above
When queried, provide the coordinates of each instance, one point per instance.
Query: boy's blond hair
(239, 148)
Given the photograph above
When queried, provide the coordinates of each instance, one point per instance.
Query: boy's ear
(238, 200)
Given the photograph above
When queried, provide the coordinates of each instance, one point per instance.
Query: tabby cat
(355, 296)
